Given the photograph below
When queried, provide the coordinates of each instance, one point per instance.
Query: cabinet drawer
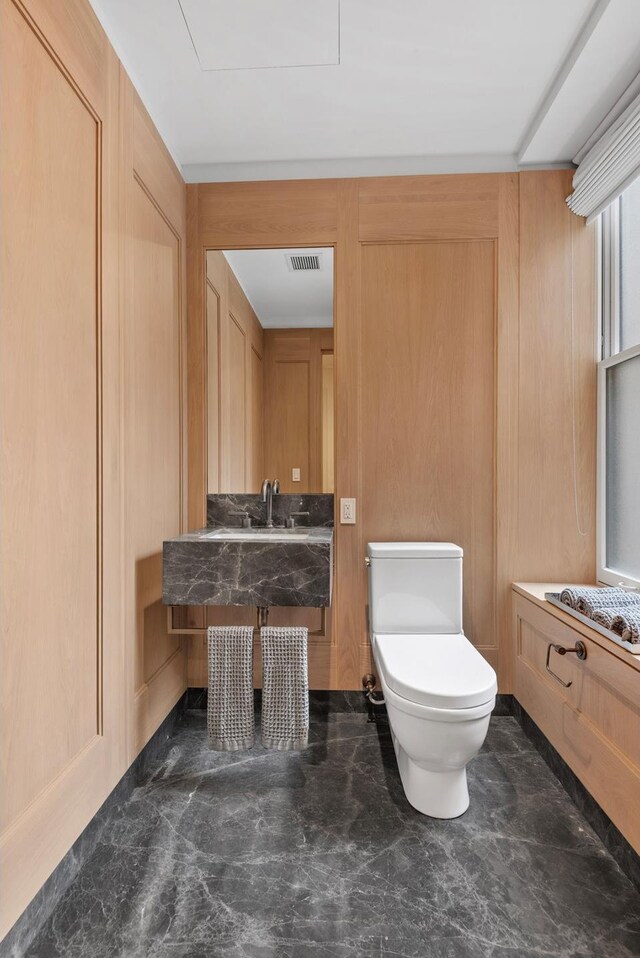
(595, 722)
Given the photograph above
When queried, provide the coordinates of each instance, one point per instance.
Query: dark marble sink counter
(228, 566)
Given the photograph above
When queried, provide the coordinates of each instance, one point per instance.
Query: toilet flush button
(348, 512)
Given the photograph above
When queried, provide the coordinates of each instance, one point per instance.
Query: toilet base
(437, 794)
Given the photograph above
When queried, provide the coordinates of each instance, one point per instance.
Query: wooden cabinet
(594, 723)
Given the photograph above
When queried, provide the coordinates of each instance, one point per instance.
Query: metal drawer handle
(580, 650)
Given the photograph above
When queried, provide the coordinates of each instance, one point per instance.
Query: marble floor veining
(317, 854)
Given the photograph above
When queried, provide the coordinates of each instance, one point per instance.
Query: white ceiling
(282, 298)
(421, 85)
(254, 35)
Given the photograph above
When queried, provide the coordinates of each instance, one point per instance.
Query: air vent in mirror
(298, 263)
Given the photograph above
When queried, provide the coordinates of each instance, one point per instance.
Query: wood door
(63, 696)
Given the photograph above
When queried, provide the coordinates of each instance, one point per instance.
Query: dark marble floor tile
(317, 854)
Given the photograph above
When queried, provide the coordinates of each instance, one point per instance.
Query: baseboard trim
(17, 941)
(320, 701)
(331, 701)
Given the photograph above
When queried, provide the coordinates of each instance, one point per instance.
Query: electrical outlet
(295, 475)
(348, 512)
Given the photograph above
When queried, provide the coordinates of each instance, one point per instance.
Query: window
(619, 394)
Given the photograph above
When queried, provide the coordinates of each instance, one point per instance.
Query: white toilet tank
(415, 587)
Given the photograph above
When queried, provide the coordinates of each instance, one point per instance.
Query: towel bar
(580, 650)
(172, 629)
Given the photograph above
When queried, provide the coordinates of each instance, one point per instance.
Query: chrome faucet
(269, 490)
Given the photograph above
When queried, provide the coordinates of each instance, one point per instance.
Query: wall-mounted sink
(258, 535)
(256, 566)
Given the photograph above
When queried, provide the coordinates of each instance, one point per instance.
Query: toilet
(439, 691)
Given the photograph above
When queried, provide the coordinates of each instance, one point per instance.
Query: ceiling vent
(304, 263)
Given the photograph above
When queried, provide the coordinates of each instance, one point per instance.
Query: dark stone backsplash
(221, 506)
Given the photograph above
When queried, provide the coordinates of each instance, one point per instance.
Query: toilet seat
(435, 670)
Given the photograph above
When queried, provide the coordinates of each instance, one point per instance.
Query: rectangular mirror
(270, 388)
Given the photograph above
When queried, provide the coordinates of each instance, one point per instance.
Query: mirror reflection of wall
(270, 388)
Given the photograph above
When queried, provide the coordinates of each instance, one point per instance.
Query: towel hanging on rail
(285, 687)
(230, 718)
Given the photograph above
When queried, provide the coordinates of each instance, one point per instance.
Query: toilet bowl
(438, 689)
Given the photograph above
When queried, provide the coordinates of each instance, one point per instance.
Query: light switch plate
(295, 475)
(348, 512)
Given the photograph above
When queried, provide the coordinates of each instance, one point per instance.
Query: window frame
(610, 356)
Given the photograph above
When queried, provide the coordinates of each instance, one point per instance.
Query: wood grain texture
(427, 446)
(594, 724)
(234, 348)
(349, 588)
(328, 422)
(409, 208)
(265, 214)
(245, 319)
(293, 406)
(506, 419)
(555, 513)
(63, 730)
(542, 256)
(154, 399)
(214, 355)
(197, 359)
(233, 382)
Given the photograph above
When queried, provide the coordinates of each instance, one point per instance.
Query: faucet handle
(246, 519)
(291, 519)
(275, 486)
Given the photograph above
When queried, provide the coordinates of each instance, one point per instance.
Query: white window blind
(609, 167)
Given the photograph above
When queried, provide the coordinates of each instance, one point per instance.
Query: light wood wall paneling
(328, 422)
(427, 447)
(245, 318)
(406, 208)
(349, 590)
(267, 214)
(63, 745)
(255, 433)
(217, 319)
(234, 405)
(506, 418)
(233, 383)
(293, 405)
(557, 385)
(537, 246)
(154, 204)
(197, 359)
(213, 351)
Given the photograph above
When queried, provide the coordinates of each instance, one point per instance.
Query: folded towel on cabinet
(603, 617)
(631, 629)
(619, 624)
(586, 599)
